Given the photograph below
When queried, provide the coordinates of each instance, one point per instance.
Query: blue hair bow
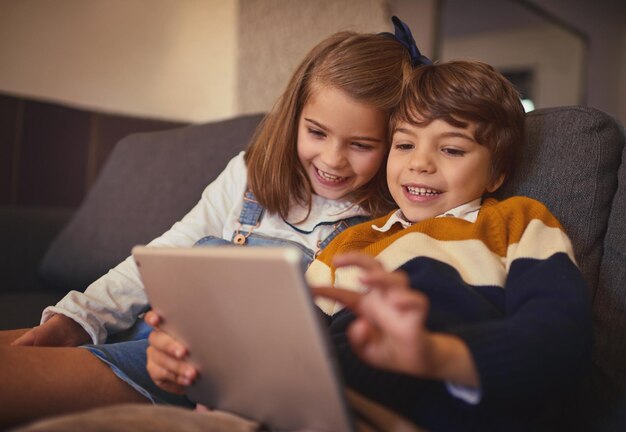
(404, 36)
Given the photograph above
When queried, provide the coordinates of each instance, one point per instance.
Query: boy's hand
(390, 331)
(166, 359)
(59, 330)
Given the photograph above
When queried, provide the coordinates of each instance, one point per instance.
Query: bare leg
(8, 336)
(37, 382)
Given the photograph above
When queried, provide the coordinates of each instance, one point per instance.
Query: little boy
(463, 313)
(495, 328)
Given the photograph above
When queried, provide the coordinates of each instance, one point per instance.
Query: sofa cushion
(573, 163)
(149, 182)
(570, 163)
(610, 315)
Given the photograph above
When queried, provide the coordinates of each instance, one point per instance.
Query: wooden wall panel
(9, 108)
(50, 154)
(53, 155)
(108, 129)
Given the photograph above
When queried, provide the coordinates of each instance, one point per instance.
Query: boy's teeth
(329, 177)
(421, 191)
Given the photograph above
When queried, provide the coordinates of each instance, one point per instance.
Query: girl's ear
(494, 185)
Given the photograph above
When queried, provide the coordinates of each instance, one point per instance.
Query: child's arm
(57, 331)
(542, 344)
(166, 359)
(113, 302)
(389, 331)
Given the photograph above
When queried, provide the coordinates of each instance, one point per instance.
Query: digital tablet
(249, 322)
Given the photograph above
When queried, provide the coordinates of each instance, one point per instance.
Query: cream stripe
(540, 241)
(319, 274)
(474, 261)
(476, 264)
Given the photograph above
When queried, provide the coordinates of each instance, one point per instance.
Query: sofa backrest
(150, 181)
(574, 163)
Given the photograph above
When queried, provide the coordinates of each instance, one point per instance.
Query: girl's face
(341, 142)
(435, 168)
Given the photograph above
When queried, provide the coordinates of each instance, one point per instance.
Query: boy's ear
(494, 185)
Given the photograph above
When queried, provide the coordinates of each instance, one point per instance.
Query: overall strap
(338, 228)
(252, 212)
(251, 215)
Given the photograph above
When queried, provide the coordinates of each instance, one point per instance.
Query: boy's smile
(437, 167)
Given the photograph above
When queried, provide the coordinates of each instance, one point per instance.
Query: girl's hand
(166, 359)
(389, 331)
(59, 330)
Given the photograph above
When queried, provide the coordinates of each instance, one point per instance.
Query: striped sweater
(506, 284)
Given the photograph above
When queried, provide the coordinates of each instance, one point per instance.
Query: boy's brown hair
(459, 92)
(369, 68)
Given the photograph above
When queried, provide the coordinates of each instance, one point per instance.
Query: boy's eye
(402, 146)
(453, 151)
(317, 133)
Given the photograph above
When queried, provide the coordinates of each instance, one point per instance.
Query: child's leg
(8, 336)
(43, 381)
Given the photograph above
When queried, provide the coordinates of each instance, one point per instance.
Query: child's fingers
(374, 274)
(349, 299)
(166, 343)
(366, 262)
(152, 318)
(359, 333)
(382, 279)
(164, 379)
(409, 300)
(165, 368)
(157, 371)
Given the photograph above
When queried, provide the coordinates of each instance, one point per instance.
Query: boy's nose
(422, 162)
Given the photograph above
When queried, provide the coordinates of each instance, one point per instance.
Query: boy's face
(435, 168)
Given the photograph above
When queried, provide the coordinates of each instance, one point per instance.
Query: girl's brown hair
(459, 92)
(369, 68)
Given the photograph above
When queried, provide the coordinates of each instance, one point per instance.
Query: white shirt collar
(467, 211)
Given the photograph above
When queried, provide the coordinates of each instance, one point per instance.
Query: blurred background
(78, 75)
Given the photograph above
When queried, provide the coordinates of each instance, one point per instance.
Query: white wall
(420, 16)
(556, 58)
(187, 60)
(170, 59)
(604, 23)
(275, 35)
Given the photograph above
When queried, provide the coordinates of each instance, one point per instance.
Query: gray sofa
(574, 162)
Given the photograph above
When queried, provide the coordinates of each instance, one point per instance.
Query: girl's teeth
(328, 177)
(422, 191)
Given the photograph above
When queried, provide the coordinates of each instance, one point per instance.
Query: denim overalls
(250, 218)
(125, 352)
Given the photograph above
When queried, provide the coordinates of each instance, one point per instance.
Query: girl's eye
(317, 133)
(453, 151)
(361, 146)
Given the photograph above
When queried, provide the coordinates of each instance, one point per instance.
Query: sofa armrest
(25, 234)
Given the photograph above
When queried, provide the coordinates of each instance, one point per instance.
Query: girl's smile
(341, 142)
(329, 179)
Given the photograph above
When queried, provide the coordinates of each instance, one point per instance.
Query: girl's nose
(333, 155)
